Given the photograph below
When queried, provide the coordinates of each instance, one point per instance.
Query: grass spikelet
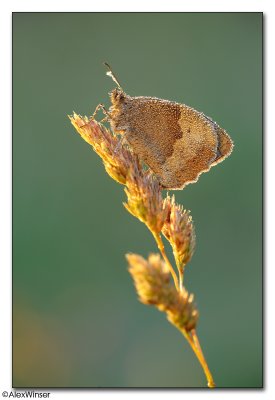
(163, 217)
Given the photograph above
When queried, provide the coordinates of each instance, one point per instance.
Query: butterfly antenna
(112, 75)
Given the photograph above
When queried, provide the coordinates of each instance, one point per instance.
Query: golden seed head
(142, 188)
(185, 314)
(179, 230)
(152, 281)
(117, 159)
(144, 199)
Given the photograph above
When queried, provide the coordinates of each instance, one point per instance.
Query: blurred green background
(77, 320)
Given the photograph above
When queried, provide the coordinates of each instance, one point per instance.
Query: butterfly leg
(101, 107)
(104, 119)
(98, 107)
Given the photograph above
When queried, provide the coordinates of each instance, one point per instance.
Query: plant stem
(166, 259)
(180, 268)
(181, 280)
(191, 337)
(193, 340)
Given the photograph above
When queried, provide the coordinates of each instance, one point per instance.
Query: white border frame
(265, 6)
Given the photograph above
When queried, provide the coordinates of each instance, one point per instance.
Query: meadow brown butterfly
(177, 142)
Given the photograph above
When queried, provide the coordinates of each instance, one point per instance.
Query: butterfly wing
(177, 142)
